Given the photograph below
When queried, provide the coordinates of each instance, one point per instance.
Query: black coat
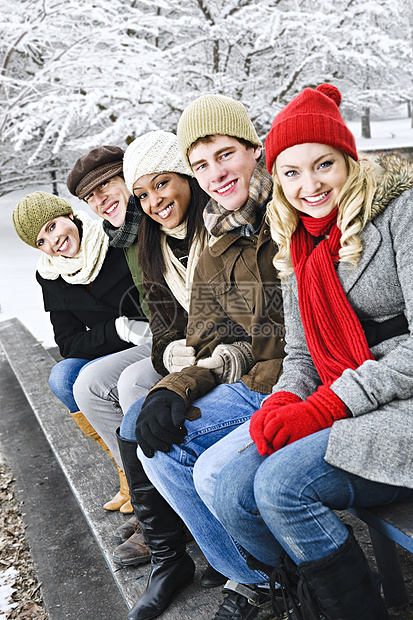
(83, 316)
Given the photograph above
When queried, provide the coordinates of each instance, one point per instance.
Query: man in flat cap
(97, 178)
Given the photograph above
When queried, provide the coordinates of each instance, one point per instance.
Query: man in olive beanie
(236, 328)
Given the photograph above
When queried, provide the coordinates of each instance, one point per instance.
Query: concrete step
(75, 581)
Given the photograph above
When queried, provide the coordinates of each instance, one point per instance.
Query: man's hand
(161, 422)
(229, 362)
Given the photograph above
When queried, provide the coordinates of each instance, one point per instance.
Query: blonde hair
(354, 204)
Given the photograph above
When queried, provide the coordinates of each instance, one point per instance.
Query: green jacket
(131, 254)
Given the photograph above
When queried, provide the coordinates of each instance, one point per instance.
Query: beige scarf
(178, 278)
(86, 265)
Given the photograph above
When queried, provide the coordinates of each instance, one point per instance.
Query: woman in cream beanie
(170, 239)
(88, 290)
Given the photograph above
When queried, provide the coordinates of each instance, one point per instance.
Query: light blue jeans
(223, 409)
(62, 378)
(289, 499)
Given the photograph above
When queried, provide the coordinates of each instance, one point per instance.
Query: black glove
(161, 422)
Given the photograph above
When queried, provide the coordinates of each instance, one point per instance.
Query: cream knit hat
(34, 211)
(214, 114)
(155, 151)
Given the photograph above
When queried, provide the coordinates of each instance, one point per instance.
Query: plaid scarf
(247, 220)
(125, 235)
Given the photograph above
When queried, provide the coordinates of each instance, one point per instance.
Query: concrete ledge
(90, 472)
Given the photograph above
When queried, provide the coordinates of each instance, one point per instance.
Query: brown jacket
(236, 295)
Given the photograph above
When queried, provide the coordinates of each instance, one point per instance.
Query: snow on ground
(20, 295)
(7, 582)
(389, 134)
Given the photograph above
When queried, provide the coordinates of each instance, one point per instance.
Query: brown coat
(236, 295)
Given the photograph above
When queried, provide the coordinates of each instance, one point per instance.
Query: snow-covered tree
(75, 73)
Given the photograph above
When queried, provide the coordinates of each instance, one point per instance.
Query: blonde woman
(330, 436)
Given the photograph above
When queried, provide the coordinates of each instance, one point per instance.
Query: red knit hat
(312, 116)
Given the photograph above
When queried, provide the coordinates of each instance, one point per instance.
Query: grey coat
(377, 441)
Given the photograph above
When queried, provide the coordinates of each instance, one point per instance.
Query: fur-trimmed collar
(395, 175)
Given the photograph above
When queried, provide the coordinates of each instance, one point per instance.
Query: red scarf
(334, 335)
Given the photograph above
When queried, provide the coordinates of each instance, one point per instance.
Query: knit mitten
(130, 330)
(229, 362)
(178, 356)
(292, 422)
(270, 404)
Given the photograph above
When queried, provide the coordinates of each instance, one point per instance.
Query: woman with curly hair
(337, 430)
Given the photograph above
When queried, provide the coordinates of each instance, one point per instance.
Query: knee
(60, 377)
(127, 377)
(275, 482)
(205, 478)
(83, 385)
(129, 389)
(228, 497)
(128, 426)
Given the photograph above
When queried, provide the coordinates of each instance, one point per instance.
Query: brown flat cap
(94, 168)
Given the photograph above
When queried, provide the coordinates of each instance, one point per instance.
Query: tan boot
(85, 426)
(126, 509)
(122, 498)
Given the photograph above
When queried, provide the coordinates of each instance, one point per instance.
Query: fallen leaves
(15, 552)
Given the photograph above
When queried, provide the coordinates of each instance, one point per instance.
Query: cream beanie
(34, 211)
(155, 151)
(214, 114)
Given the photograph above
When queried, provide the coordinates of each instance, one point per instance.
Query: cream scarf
(178, 278)
(86, 265)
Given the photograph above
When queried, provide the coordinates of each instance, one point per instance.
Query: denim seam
(215, 427)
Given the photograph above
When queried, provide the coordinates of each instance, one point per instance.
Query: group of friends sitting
(235, 333)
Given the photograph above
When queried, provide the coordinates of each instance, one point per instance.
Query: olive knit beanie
(151, 153)
(34, 211)
(312, 116)
(94, 168)
(214, 114)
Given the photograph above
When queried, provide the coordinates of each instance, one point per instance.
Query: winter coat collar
(395, 175)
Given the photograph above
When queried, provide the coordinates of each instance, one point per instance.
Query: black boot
(342, 585)
(211, 578)
(163, 532)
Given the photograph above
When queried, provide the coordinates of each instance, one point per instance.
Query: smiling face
(109, 200)
(164, 196)
(311, 177)
(223, 168)
(59, 237)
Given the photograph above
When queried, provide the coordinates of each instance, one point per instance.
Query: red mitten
(298, 420)
(258, 420)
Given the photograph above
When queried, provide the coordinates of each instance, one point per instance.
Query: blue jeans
(61, 380)
(287, 500)
(223, 409)
(128, 424)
